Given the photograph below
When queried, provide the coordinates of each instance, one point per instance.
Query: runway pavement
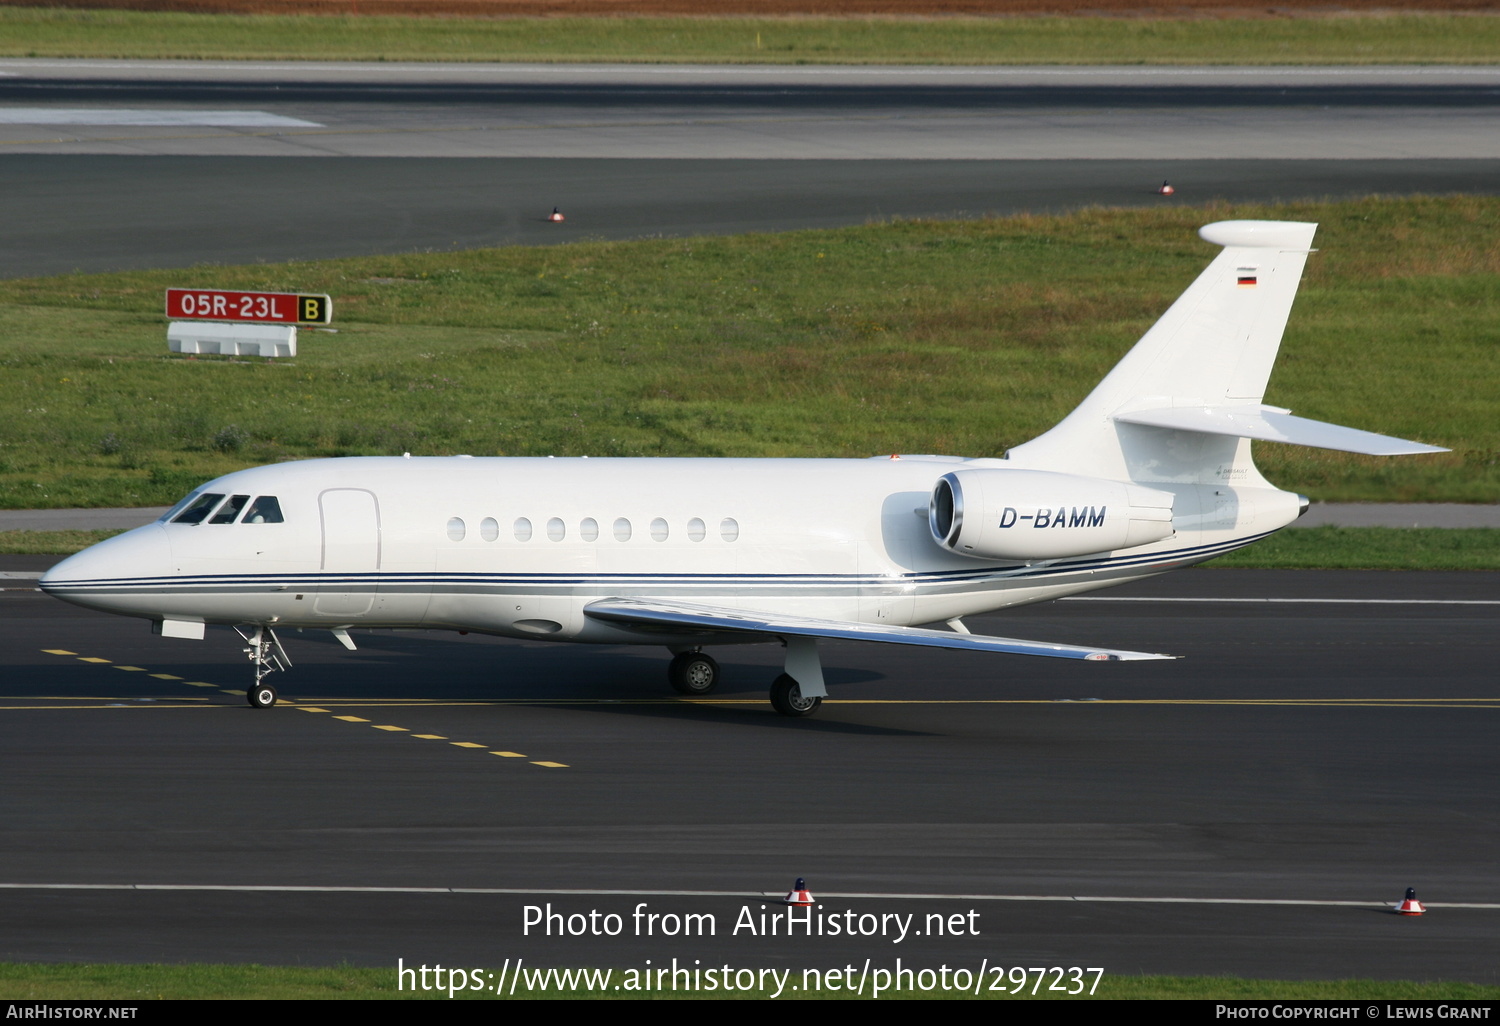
(675, 111)
(1327, 751)
(99, 213)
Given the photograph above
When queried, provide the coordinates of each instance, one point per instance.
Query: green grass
(951, 337)
(49, 543)
(27, 982)
(1350, 39)
(1370, 548)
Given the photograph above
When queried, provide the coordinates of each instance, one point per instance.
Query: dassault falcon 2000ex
(1151, 472)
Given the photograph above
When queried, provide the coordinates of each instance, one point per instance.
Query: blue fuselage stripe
(434, 579)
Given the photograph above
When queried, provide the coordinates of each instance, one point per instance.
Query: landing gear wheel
(693, 673)
(786, 697)
(262, 696)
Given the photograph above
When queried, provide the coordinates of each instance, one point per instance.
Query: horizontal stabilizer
(684, 616)
(1269, 424)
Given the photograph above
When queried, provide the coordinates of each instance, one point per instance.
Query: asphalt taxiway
(1325, 742)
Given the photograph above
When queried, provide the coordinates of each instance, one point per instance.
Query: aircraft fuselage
(519, 546)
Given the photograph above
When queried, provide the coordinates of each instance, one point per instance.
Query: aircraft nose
(114, 575)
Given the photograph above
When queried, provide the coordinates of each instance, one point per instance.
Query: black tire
(693, 673)
(262, 696)
(786, 698)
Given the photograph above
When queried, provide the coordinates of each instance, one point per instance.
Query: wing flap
(691, 616)
(1269, 424)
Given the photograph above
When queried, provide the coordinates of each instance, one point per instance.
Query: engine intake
(1034, 514)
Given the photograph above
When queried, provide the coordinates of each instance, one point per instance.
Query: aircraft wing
(680, 616)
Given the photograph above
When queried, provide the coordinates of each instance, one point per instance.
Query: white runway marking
(1290, 601)
(159, 118)
(741, 895)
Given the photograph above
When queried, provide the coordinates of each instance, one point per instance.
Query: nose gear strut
(266, 653)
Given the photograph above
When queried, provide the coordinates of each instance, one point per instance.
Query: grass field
(1383, 38)
(49, 543)
(127, 982)
(960, 337)
(1369, 548)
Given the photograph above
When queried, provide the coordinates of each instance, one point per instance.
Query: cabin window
(455, 528)
(489, 529)
(729, 529)
(622, 529)
(589, 529)
(230, 510)
(658, 529)
(697, 530)
(264, 510)
(199, 508)
(522, 529)
(556, 529)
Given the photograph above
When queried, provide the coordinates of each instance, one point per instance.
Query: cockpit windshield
(195, 509)
(181, 505)
(198, 508)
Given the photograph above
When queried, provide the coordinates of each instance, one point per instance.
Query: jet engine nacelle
(1033, 514)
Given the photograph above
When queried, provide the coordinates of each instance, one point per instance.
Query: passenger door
(351, 551)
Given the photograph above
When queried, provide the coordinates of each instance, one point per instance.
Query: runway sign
(261, 307)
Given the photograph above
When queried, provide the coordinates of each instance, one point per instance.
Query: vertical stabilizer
(1212, 349)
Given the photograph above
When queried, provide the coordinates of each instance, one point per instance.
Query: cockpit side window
(199, 508)
(264, 510)
(230, 509)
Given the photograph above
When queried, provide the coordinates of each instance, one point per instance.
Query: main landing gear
(266, 653)
(797, 692)
(693, 673)
(787, 698)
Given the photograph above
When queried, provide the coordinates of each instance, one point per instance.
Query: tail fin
(1184, 402)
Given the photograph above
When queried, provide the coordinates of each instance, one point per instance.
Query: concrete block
(216, 338)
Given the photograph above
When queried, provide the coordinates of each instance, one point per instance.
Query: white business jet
(1152, 472)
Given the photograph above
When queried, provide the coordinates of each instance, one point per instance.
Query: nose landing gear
(266, 653)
